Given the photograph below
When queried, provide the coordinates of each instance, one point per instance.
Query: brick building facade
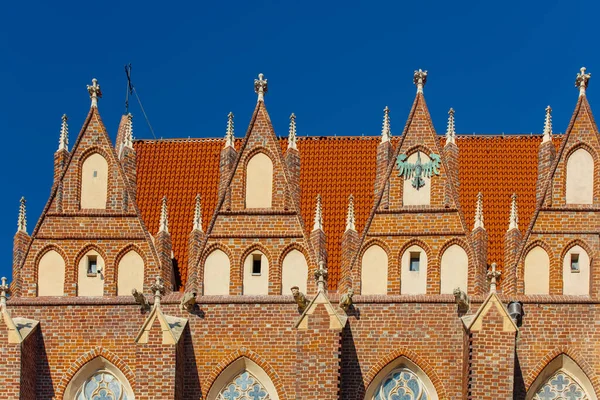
(416, 266)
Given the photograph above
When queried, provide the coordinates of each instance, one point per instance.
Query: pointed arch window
(244, 386)
(403, 384)
(243, 379)
(561, 385)
(102, 386)
(562, 378)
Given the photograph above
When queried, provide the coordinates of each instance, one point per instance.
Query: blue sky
(335, 64)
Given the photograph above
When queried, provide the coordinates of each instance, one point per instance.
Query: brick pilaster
(19, 363)
(292, 162)
(350, 243)
(226, 165)
(164, 248)
(546, 155)
(384, 157)
(129, 161)
(450, 154)
(20, 244)
(512, 242)
(195, 240)
(479, 239)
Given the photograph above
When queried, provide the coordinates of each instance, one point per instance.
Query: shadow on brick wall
(352, 384)
(45, 386)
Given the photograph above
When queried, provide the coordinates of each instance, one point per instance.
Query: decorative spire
(260, 87)
(548, 125)
(292, 135)
(492, 276)
(158, 288)
(321, 277)
(582, 81)
(420, 78)
(128, 139)
(479, 212)
(198, 214)
(229, 135)
(63, 140)
(318, 215)
(386, 134)
(22, 222)
(350, 215)
(4, 291)
(164, 216)
(450, 132)
(514, 214)
(95, 92)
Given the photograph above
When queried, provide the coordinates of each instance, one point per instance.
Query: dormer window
(256, 264)
(574, 263)
(92, 265)
(415, 261)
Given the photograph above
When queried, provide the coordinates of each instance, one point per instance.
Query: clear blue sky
(335, 64)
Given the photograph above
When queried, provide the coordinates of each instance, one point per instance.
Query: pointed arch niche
(580, 178)
(401, 379)
(243, 378)
(99, 379)
(259, 181)
(412, 196)
(562, 378)
(94, 182)
(374, 271)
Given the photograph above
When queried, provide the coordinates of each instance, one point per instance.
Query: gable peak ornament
(260, 87)
(95, 92)
(419, 79)
(386, 133)
(4, 292)
(321, 277)
(582, 81)
(548, 125)
(492, 275)
(158, 289)
(418, 170)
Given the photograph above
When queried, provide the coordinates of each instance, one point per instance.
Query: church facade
(414, 266)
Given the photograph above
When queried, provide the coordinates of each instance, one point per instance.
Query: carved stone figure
(188, 301)
(300, 298)
(141, 300)
(462, 300)
(346, 300)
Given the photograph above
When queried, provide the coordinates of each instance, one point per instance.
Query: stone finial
(479, 212)
(128, 139)
(260, 87)
(63, 139)
(95, 92)
(321, 277)
(158, 288)
(492, 275)
(386, 133)
(548, 125)
(299, 298)
(350, 219)
(22, 220)
(164, 216)
(582, 81)
(198, 214)
(450, 131)
(514, 214)
(420, 78)
(4, 291)
(318, 215)
(229, 134)
(292, 134)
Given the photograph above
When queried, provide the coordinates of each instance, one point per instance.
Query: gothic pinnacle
(479, 212)
(318, 215)
(548, 125)
(350, 215)
(419, 79)
(164, 216)
(260, 87)
(229, 134)
(22, 221)
(128, 139)
(63, 140)
(450, 131)
(582, 81)
(198, 214)
(386, 134)
(95, 92)
(292, 134)
(514, 213)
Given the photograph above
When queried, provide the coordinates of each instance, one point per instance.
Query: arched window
(412, 196)
(403, 380)
(216, 273)
(256, 273)
(90, 275)
(413, 271)
(94, 182)
(294, 272)
(374, 271)
(580, 178)
(259, 181)
(537, 272)
(576, 272)
(130, 274)
(243, 379)
(51, 274)
(562, 378)
(454, 269)
(99, 379)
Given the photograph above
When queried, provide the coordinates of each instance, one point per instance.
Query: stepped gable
(182, 168)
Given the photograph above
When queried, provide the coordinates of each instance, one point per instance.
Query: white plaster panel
(216, 273)
(259, 182)
(537, 272)
(412, 196)
(294, 272)
(576, 283)
(374, 271)
(256, 284)
(131, 274)
(454, 269)
(92, 285)
(413, 282)
(94, 182)
(580, 178)
(51, 275)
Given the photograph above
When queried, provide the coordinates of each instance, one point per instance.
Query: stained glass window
(401, 384)
(561, 386)
(244, 386)
(102, 386)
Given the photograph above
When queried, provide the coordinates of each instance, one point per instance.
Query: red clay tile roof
(335, 167)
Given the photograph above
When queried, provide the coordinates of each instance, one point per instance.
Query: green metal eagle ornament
(418, 171)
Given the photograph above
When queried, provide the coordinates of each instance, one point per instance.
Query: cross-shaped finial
(159, 289)
(260, 87)
(492, 276)
(95, 92)
(321, 276)
(420, 78)
(582, 81)
(4, 291)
